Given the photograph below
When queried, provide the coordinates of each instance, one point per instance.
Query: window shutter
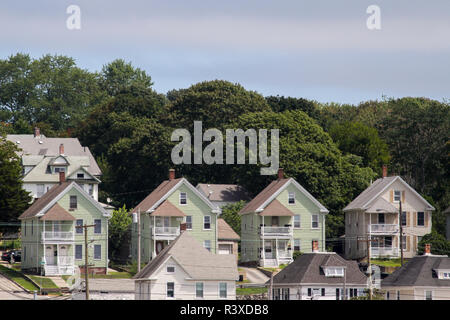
(415, 219)
(396, 242)
(425, 216)
(407, 243)
(391, 197)
(415, 244)
(407, 218)
(403, 196)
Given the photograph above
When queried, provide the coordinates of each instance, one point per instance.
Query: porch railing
(384, 251)
(383, 228)
(57, 235)
(274, 231)
(166, 231)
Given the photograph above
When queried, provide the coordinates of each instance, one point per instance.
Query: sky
(316, 49)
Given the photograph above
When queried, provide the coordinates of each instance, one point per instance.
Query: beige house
(375, 214)
(227, 238)
(424, 277)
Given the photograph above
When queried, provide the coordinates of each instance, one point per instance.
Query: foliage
(296, 254)
(280, 104)
(230, 213)
(377, 294)
(13, 198)
(118, 231)
(251, 290)
(439, 244)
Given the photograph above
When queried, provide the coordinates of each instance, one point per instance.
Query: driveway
(255, 276)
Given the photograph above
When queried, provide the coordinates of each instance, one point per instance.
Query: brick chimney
(62, 177)
(61, 149)
(171, 174)
(37, 132)
(183, 227)
(315, 246)
(427, 251)
(384, 171)
(280, 173)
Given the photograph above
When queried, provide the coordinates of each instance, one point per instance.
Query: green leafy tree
(280, 104)
(14, 200)
(119, 227)
(439, 245)
(230, 213)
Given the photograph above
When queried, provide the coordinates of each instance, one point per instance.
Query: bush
(296, 254)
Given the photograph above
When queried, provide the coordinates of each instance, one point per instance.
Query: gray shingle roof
(196, 260)
(308, 268)
(369, 193)
(223, 192)
(419, 271)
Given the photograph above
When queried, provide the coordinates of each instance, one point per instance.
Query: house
(425, 277)
(319, 276)
(43, 158)
(173, 202)
(107, 289)
(375, 214)
(185, 270)
(447, 215)
(51, 243)
(281, 219)
(223, 194)
(227, 238)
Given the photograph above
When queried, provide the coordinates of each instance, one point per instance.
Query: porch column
(153, 236)
(263, 248)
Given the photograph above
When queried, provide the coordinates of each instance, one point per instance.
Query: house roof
(364, 200)
(447, 210)
(261, 202)
(381, 206)
(197, 261)
(49, 147)
(166, 209)
(224, 192)
(225, 232)
(275, 208)
(57, 213)
(308, 269)
(419, 271)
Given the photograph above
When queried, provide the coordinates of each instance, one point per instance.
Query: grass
(18, 278)
(10, 244)
(386, 262)
(44, 283)
(248, 291)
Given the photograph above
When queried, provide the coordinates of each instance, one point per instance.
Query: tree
(439, 245)
(119, 227)
(14, 200)
(280, 104)
(359, 139)
(230, 213)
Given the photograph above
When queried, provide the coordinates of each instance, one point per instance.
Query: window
(207, 244)
(222, 290)
(297, 221)
(388, 296)
(80, 175)
(334, 271)
(170, 269)
(60, 169)
(398, 294)
(337, 294)
(428, 295)
(276, 294)
(381, 218)
(199, 290)
(78, 251)
(79, 223)
(170, 289)
(73, 202)
(285, 293)
(291, 198)
(404, 239)
(97, 251)
(315, 221)
(90, 189)
(296, 244)
(207, 222)
(183, 198)
(353, 292)
(397, 195)
(404, 218)
(188, 222)
(98, 226)
(309, 292)
(323, 292)
(446, 275)
(420, 219)
(40, 190)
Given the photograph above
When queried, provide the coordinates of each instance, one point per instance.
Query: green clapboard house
(51, 243)
(172, 203)
(281, 219)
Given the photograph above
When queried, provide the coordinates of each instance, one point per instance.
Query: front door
(63, 255)
(275, 221)
(268, 252)
(50, 254)
(159, 246)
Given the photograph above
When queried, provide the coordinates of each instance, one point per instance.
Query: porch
(275, 252)
(165, 222)
(58, 259)
(384, 246)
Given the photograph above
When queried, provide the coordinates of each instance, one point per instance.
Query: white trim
(303, 190)
(226, 291)
(186, 198)
(82, 168)
(207, 215)
(318, 223)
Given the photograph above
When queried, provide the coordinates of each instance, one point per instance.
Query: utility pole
(400, 214)
(139, 240)
(345, 284)
(369, 268)
(271, 286)
(86, 266)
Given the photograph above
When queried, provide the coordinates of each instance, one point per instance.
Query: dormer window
(80, 175)
(443, 274)
(59, 169)
(397, 195)
(334, 271)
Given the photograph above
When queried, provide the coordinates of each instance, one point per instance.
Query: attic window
(183, 198)
(397, 195)
(60, 169)
(80, 175)
(291, 198)
(445, 275)
(334, 271)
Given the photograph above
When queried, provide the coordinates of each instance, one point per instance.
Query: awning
(275, 208)
(57, 213)
(166, 209)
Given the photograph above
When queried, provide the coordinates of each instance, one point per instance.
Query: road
(255, 276)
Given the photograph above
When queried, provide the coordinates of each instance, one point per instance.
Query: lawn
(111, 275)
(387, 262)
(248, 291)
(44, 283)
(18, 278)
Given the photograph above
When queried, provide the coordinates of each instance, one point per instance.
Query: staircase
(270, 263)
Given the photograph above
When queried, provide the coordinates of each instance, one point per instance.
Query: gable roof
(69, 176)
(223, 192)
(363, 200)
(225, 232)
(42, 205)
(197, 261)
(381, 206)
(419, 271)
(447, 210)
(57, 213)
(276, 208)
(166, 209)
(163, 191)
(308, 269)
(263, 199)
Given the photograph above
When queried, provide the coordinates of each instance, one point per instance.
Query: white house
(185, 270)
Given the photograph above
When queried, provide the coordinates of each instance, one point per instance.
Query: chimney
(384, 171)
(427, 249)
(315, 246)
(182, 227)
(37, 132)
(171, 174)
(61, 149)
(62, 177)
(280, 173)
